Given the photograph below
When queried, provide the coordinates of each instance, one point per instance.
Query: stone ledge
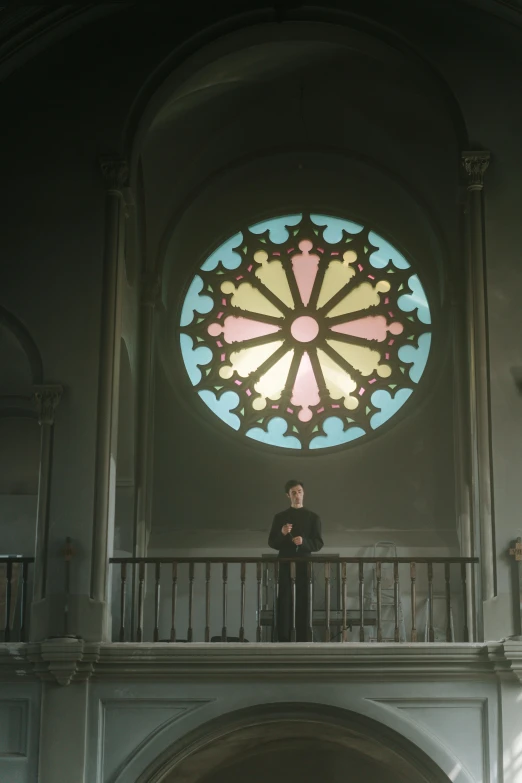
(71, 660)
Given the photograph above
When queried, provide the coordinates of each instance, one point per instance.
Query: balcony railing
(364, 599)
(14, 580)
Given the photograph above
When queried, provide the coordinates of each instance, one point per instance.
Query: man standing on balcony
(295, 533)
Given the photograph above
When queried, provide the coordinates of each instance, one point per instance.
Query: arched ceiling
(26, 30)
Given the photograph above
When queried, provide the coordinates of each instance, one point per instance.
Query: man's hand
(286, 529)
(298, 540)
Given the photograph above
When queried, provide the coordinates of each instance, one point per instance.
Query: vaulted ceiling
(27, 29)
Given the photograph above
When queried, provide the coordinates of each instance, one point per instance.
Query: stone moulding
(67, 660)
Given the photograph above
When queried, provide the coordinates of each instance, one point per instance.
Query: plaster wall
(131, 726)
(20, 705)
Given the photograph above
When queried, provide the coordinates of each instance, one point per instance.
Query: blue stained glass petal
(276, 227)
(335, 435)
(334, 227)
(225, 254)
(416, 356)
(275, 436)
(386, 253)
(389, 405)
(416, 300)
(194, 357)
(195, 302)
(222, 406)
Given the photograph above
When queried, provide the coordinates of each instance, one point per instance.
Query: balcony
(348, 599)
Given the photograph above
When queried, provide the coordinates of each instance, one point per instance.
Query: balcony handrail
(300, 559)
(16, 559)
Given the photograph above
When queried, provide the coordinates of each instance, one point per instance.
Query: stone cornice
(72, 660)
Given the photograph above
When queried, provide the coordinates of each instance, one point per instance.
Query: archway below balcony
(305, 742)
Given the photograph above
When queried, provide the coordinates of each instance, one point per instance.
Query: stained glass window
(305, 331)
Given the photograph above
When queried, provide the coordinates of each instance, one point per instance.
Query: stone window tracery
(305, 331)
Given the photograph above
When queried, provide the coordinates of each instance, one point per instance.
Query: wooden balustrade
(14, 578)
(381, 597)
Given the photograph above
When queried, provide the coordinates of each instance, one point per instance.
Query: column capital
(46, 398)
(150, 289)
(475, 163)
(115, 173)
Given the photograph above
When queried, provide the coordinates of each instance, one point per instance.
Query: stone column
(115, 174)
(475, 164)
(46, 399)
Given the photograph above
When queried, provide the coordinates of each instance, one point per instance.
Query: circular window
(305, 331)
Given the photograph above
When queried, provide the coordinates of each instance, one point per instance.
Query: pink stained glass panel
(373, 327)
(305, 266)
(304, 329)
(305, 392)
(236, 329)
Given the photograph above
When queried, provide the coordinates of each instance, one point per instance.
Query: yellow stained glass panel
(338, 382)
(272, 383)
(272, 274)
(248, 298)
(336, 276)
(247, 360)
(361, 298)
(365, 360)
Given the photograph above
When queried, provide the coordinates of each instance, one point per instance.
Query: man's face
(296, 495)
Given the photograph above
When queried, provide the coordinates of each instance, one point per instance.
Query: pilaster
(115, 175)
(475, 164)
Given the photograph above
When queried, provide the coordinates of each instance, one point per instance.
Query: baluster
(293, 634)
(173, 602)
(242, 626)
(276, 601)
(396, 598)
(225, 579)
(259, 574)
(123, 587)
(310, 574)
(327, 633)
(361, 600)
(207, 602)
(463, 577)
(413, 592)
(378, 574)
(141, 591)
(8, 591)
(157, 576)
(431, 631)
(191, 597)
(23, 601)
(449, 633)
(344, 602)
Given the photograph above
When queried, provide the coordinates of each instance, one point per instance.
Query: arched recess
(261, 121)
(20, 361)
(20, 369)
(275, 739)
(19, 469)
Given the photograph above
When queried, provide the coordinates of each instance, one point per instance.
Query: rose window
(305, 331)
